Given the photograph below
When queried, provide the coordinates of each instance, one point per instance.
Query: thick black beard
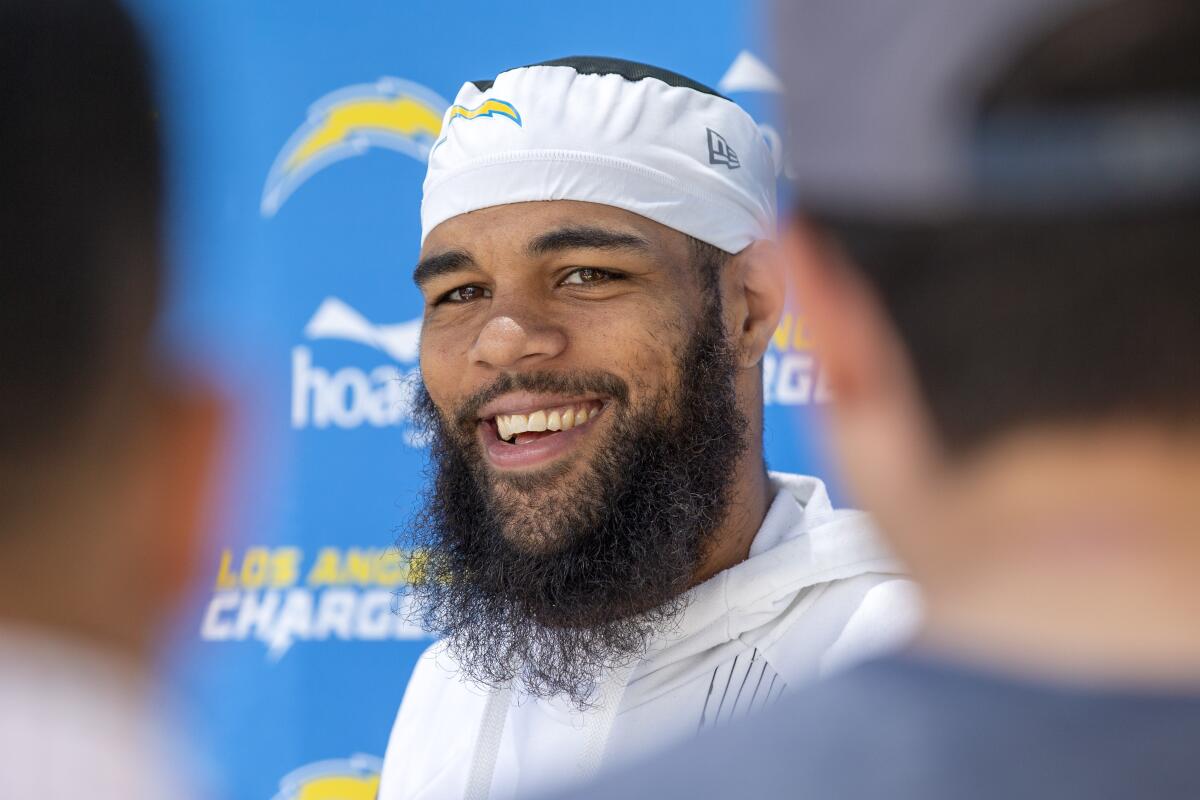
(553, 594)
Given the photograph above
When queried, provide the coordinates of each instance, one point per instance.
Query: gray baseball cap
(885, 120)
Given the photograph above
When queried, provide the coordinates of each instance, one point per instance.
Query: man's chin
(532, 541)
(532, 508)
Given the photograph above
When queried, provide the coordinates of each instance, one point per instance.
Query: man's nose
(511, 340)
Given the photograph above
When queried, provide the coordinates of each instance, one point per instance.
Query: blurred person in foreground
(609, 563)
(998, 251)
(104, 451)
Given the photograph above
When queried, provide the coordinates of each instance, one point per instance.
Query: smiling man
(608, 561)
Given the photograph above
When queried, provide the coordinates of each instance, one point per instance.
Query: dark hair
(710, 260)
(80, 189)
(1030, 319)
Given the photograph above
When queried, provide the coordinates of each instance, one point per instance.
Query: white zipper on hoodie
(817, 592)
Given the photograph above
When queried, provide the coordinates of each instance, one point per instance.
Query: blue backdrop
(297, 134)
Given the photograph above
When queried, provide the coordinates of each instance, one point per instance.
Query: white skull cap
(605, 131)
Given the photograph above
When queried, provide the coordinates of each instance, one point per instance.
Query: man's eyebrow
(587, 236)
(450, 261)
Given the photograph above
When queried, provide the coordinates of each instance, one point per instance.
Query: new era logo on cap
(719, 151)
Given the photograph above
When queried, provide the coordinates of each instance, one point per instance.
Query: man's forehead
(531, 226)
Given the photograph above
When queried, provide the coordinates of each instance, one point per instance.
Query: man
(104, 450)
(1001, 270)
(609, 562)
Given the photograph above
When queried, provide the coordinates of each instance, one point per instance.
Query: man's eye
(464, 294)
(585, 275)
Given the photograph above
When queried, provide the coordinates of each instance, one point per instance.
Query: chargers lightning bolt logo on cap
(488, 108)
(392, 113)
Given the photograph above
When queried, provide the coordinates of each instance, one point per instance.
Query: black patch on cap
(629, 70)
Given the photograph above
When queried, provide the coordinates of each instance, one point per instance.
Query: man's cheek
(432, 362)
(642, 351)
(654, 369)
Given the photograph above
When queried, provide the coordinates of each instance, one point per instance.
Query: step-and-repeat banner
(298, 134)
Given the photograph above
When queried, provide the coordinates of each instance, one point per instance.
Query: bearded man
(610, 565)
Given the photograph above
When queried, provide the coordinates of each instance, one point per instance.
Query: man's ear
(180, 475)
(758, 294)
(847, 322)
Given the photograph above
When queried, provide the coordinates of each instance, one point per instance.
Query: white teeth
(558, 419)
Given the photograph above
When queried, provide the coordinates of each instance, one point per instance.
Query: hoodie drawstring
(487, 745)
(602, 721)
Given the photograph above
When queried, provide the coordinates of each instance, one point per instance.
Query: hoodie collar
(803, 541)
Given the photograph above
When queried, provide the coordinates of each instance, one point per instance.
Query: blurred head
(952, 339)
(592, 385)
(103, 451)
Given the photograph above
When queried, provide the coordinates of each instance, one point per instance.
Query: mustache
(582, 382)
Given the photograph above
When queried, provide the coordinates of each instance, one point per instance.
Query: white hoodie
(817, 593)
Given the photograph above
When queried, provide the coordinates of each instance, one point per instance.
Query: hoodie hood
(803, 543)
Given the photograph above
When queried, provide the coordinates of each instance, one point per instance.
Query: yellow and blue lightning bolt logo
(391, 113)
(487, 108)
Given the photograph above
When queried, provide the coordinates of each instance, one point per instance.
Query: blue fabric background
(237, 80)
